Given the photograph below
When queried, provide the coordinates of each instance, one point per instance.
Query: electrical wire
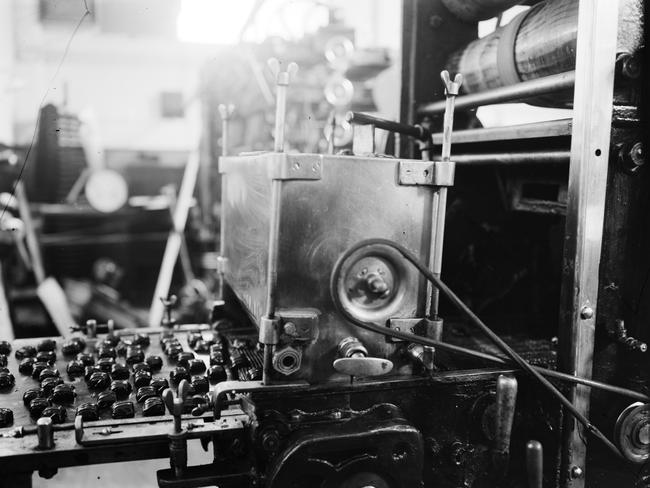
(475, 320)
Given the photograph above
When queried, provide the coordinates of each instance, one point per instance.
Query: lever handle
(505, 414)
(363, 367)
(534, 464)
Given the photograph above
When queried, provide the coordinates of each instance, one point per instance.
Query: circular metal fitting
(370, 283)
(352, 347)
(632, 432)
(287, 361)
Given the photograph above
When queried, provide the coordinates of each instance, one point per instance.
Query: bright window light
(212, 21)
(221, 21)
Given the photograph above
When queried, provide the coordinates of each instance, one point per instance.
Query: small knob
(377, 284)
(45, 433)
(534, 464)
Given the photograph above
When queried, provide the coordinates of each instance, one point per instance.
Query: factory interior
(324, 244)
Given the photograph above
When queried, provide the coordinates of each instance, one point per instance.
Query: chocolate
(154, 362)
(3, 360)
(48, 373)
(70, 348)
(153, 406)
(6, 417)
(75, 368)
(159, 384)
(63, 394)
(145, 392)
(7, 380)
(121, 388)
(120, 372)
(37, 405)
(217, 374)
(88, 412)
(25, 352)
(48, 385)
(200, 384)
(178, 374)
(105, 399)
(105, 364)
(123, 410)
(98, 381)
(30, 394)
(57, 413)
(141, 367)
(46, 345)
(89, 370)
(46, 356)
(37, 368)
(183, 358)
(87, 359)
(196, 366)
(5, 347)
(106, 352)
(141, 378)
(26, 366)
(134, 355)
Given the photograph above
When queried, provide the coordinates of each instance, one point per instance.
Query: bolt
(290, 329)
(576, 472)
(586, 312)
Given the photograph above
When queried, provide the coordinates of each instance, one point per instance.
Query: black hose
(473, 318)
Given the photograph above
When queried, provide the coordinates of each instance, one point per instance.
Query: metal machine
(328, 363)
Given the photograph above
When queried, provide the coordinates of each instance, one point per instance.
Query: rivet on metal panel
(586, 312)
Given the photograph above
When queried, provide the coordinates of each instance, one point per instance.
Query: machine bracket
(427, 173)
(280, 166)
(402, 325)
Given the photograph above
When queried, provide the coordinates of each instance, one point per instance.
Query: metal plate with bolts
(129, 430)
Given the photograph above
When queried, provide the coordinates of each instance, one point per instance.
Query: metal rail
(550, 128)
(515, 158)
(416, 131)
(520, 91)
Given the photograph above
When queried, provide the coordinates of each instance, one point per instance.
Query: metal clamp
(269, 330)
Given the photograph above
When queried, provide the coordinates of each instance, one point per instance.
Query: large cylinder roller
(538, 42)
(473, 10)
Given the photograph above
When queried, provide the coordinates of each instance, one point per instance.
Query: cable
(475, 320)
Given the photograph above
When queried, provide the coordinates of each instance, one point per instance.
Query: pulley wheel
(370, 283)
(632, 432)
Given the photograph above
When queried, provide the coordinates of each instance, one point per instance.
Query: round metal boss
(370, 282)
(632, 432)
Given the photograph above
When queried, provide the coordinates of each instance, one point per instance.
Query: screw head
(586, 312)
(576, 472)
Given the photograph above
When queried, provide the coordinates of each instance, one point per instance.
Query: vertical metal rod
(439, 203)
(282, 81)
(592, 114)
(225, 112)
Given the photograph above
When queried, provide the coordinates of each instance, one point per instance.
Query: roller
(474, 10)
(540, 41)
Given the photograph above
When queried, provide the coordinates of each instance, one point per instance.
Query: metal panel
(596, 49)
(355, 199)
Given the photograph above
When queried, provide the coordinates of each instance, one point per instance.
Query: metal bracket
(402, 325)
(427, 173)
(280, 166)
(299, 324)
